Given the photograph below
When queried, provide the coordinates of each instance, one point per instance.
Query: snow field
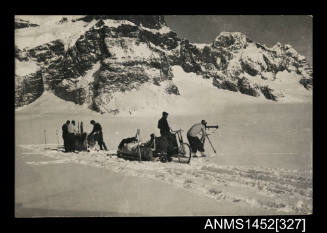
(287, 192)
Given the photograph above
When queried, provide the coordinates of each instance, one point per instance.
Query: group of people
(196, 130)
(69, 130)
(72, 135)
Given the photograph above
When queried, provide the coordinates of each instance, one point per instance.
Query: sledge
(132, 149)
(151, 150)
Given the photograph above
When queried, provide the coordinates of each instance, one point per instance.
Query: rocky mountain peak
(231, 40)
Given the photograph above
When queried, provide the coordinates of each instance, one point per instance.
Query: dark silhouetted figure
(165, 136)
(64, 135)
(98, 136)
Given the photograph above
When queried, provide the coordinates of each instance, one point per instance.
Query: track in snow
(285, 191)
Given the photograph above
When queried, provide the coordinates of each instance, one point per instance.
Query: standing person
(97, 131)
(64, 134)
(192, 136)
(71, 136)
(165, 136)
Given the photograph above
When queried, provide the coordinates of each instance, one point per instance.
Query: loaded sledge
(132, 149)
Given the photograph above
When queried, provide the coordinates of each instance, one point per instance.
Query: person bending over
(193, 133)
(98, 136)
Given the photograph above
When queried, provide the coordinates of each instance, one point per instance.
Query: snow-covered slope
(48, 103)
(50, 28)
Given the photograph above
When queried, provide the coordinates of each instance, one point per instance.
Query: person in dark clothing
(97, 131)
(163, 124)
(165, 136)
(64, 135)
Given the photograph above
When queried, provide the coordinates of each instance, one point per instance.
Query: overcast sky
(294, 30)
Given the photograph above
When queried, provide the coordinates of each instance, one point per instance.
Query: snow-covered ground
(25, 68)
(275, 190)
(263, 163)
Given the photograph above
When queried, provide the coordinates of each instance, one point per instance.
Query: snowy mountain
(98, 61)
(20, 23)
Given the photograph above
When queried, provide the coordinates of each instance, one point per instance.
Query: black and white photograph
(163, 115)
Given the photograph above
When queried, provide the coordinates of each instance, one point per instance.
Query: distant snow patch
(25, 68)
(116, 23)
(201, 45)
(162, 30)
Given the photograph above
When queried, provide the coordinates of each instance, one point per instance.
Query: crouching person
(197, 144)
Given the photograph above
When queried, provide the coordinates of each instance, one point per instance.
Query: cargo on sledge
(132, 149)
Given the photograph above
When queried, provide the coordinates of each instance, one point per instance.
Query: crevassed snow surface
(288, 192)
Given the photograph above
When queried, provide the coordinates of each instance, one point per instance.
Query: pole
(81, 127)
(45, 137)
(57, 137)
(138, 144)
(211, 144)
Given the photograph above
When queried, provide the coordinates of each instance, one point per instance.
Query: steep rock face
(128, 55)
(234, 55)
(231, 41)
(28, 88)
(117, 54)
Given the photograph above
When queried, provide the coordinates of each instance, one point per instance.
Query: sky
(295, 30)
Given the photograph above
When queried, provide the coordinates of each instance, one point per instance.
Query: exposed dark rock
(225, 84)
(19, 23)
(250, 69)
(63, 20)
(307, 83)
(271, 93)
(172, 89)
(245, 87)
(189, 57)
(28, 88)
(231, 40)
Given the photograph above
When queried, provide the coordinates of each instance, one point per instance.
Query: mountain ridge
(122, 53)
